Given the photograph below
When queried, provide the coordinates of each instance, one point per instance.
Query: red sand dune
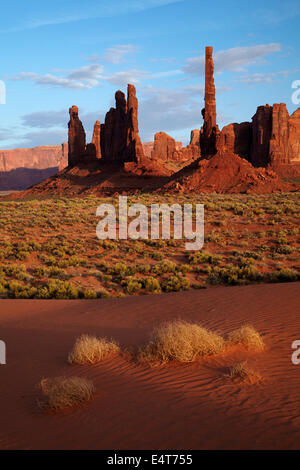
(172, 407)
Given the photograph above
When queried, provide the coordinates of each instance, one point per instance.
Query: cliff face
(21, 168)
(272, 139)
(275, 136)
(294, 137)
(236, 138)
(39, 158)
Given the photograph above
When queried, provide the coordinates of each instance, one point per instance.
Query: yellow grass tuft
(180, 341)
(248, 337)
(63, 392)
(89, 350)
(242, 371)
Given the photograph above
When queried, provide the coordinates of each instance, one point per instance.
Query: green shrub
(285, 275)
(175, 283)
(202, 257)
(152, 285)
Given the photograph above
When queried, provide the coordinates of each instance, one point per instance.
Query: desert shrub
(254, 255)
(184, 268)
(157, 256)
(143, 268)
(284, 249)
(285, 275)
(242, 371)
(203, 257)
(108, 245)
(180, 341)
(118, 268)
(64, 392)
(246, 336)
(132, 285)
(17, 271)
(175, 283)
(233, 275)
(57, 289)
(164, 267)
(89, 350)
(152, 285)
(281, 240)
(90, 294)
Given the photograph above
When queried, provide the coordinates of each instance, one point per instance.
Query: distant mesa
(242, 157)
(24, 167)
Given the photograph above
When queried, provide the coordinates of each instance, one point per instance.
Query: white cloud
(124, 77)
(235, 59)
(59, 119)
(170, 110)
(116, 54)
(83, 78)
(254, 78)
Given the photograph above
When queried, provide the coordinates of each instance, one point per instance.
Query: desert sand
(190, 406)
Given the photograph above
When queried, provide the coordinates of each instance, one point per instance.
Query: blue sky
(70, 52)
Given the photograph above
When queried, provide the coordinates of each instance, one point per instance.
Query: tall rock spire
(96, 140)
(77, 144)
(135, 151)
(209, 128)
(210, 91)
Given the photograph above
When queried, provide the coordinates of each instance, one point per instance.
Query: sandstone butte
(242, 157)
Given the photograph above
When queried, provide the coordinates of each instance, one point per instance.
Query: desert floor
(191, 406)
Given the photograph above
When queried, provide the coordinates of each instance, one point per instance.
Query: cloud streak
(96, 9)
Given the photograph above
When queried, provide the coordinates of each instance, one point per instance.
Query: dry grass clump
(64, 392)
(242, 371)
(248, 337)
(180, 341)
(89, 350)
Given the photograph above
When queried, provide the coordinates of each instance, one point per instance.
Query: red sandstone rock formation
(294, 138)
(195, 137)
(261, 135)
(76, 137)
(166, 149)
(148, 147)
(187, 154)
(226, 173)
(96, 140)
(236, 138)
(275, 136)
(120, 141)
(278, 149)
(135, 151)
(209, 129)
